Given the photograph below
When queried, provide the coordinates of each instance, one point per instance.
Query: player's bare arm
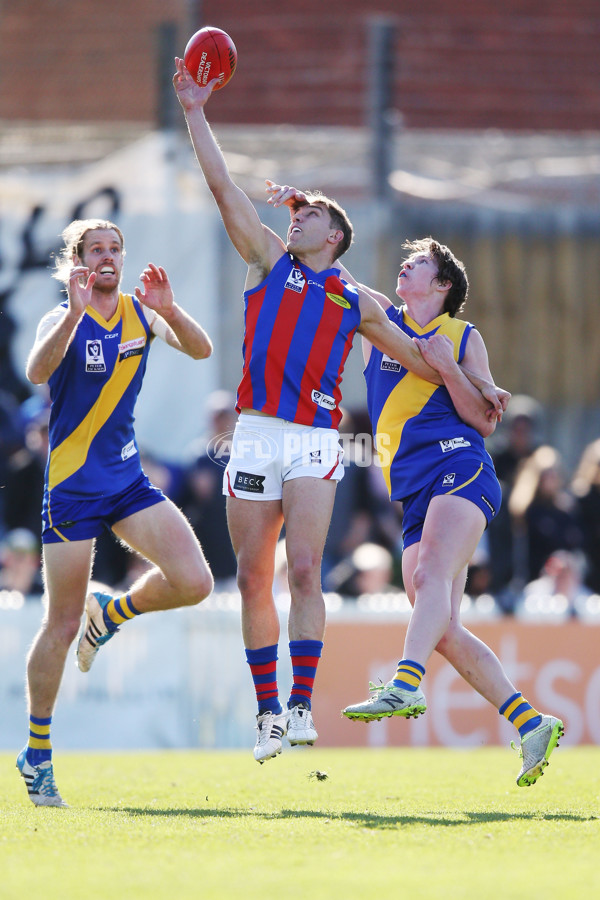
(468, 401)
(56, 329)
(171, 322)
(258, 246)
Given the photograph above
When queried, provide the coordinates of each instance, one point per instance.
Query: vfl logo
(246, 481)
(454, 444)
(449, 479)
(295, 281)
(322, 399)
(315, 457)
(388, 364)
(341, 301)
(94, 357)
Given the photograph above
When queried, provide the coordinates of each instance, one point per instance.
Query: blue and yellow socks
(39, 747)
(408, 675)
(521, 714)
(263, 666)
(119, 610)
(305, 656)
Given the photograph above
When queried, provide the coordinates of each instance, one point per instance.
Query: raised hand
(284, 195)
(190, 94)
(79, 289)
(157, 293)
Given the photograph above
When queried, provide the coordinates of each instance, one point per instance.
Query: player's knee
(64, 630)
(425, 577)
(196, 586)
(250, 580)
(303, 573)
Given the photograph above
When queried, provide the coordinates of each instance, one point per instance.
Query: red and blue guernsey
(299, 330)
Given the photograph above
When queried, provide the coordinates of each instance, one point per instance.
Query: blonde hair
(527, 482)
(588, 470)
(73, 237)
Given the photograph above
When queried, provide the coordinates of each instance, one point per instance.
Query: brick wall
(520, 64)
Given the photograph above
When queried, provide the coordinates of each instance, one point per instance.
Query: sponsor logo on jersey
(487, 503)
(113, 334)
(128, 450)
(454, 444)
(341, 301)
(94, 357)
(323, 400)
(246, 481)
(295, 281)
(449, 479)
(389, 364)
(134, 347)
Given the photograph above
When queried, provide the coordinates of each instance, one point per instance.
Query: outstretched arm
(171, 322)
(256, 244)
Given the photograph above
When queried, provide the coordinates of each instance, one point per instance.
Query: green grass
(385, 823)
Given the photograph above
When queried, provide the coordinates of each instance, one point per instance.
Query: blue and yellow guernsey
(416, 426)
(93, 451)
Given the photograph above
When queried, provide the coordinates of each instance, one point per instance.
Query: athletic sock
(408, 675)
(119, 610)
(305, 656)
(39, 747)
(263, 666)
(521, 714)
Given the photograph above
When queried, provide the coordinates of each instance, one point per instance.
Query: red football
(210, 53)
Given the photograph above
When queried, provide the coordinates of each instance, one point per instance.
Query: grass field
(385, 823)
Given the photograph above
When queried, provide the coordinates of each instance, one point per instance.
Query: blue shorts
(473, 480)
(79, 520)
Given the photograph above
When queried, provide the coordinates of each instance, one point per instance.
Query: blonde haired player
(92, 350)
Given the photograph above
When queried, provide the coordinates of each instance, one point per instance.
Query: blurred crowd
(543, 543)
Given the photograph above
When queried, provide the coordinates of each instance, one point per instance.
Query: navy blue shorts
(476, 481)
(79, 520)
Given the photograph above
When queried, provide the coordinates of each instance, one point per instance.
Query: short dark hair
(337, 216)
(449, 269)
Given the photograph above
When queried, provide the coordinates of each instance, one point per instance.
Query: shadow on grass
(365, 820)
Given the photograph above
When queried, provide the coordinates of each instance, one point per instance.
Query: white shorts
(267, 451)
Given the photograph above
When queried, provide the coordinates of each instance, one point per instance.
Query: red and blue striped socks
(263, 666)
(305, 656)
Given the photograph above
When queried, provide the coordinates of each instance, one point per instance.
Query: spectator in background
(543, 513)
(586, 489)
(518, 435)
(362, 511)
(11, 440)
(202, 499)
(561, 579)
(368, 570)
(20, 563)
(24, 486)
